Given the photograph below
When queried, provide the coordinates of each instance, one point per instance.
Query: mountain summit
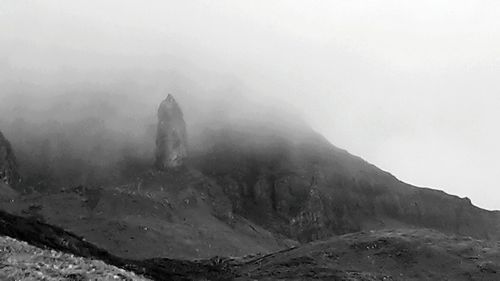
(171, 138)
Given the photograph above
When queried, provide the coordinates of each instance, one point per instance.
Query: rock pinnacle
(171, 140)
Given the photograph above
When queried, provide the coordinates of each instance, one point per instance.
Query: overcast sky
(411, 86)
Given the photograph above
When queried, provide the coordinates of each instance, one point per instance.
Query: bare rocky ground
(21, 261)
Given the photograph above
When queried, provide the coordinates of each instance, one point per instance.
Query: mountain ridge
(345, 176)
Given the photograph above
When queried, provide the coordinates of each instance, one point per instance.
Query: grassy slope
(46, 236)
(405, 255)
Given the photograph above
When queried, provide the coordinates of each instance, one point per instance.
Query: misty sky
(411, 86)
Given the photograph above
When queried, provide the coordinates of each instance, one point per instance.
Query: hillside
(179, 214)
(73, 257)
(403, 255)
(296, 183)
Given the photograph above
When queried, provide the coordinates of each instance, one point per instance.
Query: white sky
(411, 86)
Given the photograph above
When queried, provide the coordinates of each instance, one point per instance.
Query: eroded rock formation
(171, 135)
(8, 166)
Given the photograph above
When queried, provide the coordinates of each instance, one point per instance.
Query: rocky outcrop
(171, 141)
(8, 166)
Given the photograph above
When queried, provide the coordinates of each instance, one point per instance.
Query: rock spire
(171, 140)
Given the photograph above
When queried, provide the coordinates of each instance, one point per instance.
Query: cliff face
(305, 188)
(171, 138)
(8, 166)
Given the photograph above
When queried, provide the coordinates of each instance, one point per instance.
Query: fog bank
(411, 87)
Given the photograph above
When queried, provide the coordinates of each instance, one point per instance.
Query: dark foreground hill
(406, 255)
(49, 237)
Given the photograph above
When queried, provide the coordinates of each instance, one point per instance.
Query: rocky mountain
(296, 183)
(253, 187)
